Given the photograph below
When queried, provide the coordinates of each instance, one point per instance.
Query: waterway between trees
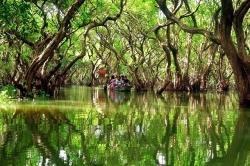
(88, 126)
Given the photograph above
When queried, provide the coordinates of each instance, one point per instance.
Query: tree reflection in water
(239, 147)
(89, 127)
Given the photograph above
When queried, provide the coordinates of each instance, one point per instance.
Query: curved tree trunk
(137, 82)
(164, 86)
(222, 84)
(185, 84)
(49, 50)
(236, 53)
(206, 72)
(164, 45)
(238, 58)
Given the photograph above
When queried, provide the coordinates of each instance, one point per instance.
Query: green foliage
(41, 95)
(8, 91)
(17, 15)
(131, 36)
(3, 97)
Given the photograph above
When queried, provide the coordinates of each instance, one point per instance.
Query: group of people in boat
(118, 82)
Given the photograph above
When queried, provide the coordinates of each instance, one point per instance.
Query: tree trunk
(49, 50)
(222, 84)
(138, 83)
(206, 72)
(165, 48)
(184, 82)
(163, 87)
(236, 53)
(238, 58)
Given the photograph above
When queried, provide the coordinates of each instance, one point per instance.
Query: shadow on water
(88, 126)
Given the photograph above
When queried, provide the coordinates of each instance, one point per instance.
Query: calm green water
(87, 126)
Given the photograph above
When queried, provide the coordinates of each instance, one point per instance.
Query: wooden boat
(126, 88)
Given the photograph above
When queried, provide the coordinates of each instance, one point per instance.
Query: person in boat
(122, 77)
(119, 82)
(126, 81)
(112, 82)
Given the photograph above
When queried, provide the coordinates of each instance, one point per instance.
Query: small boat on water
(126, 88)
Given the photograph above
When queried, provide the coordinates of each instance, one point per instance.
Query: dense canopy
(163, 45)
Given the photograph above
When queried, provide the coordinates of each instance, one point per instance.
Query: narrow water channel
(88, 126)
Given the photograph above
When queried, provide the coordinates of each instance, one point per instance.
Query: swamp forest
(177, 45)
(187, 64)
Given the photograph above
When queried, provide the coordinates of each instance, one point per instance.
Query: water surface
(88, 126)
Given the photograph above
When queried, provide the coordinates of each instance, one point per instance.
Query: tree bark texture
(236, 54)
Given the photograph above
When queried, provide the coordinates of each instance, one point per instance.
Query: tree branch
(184, 27)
